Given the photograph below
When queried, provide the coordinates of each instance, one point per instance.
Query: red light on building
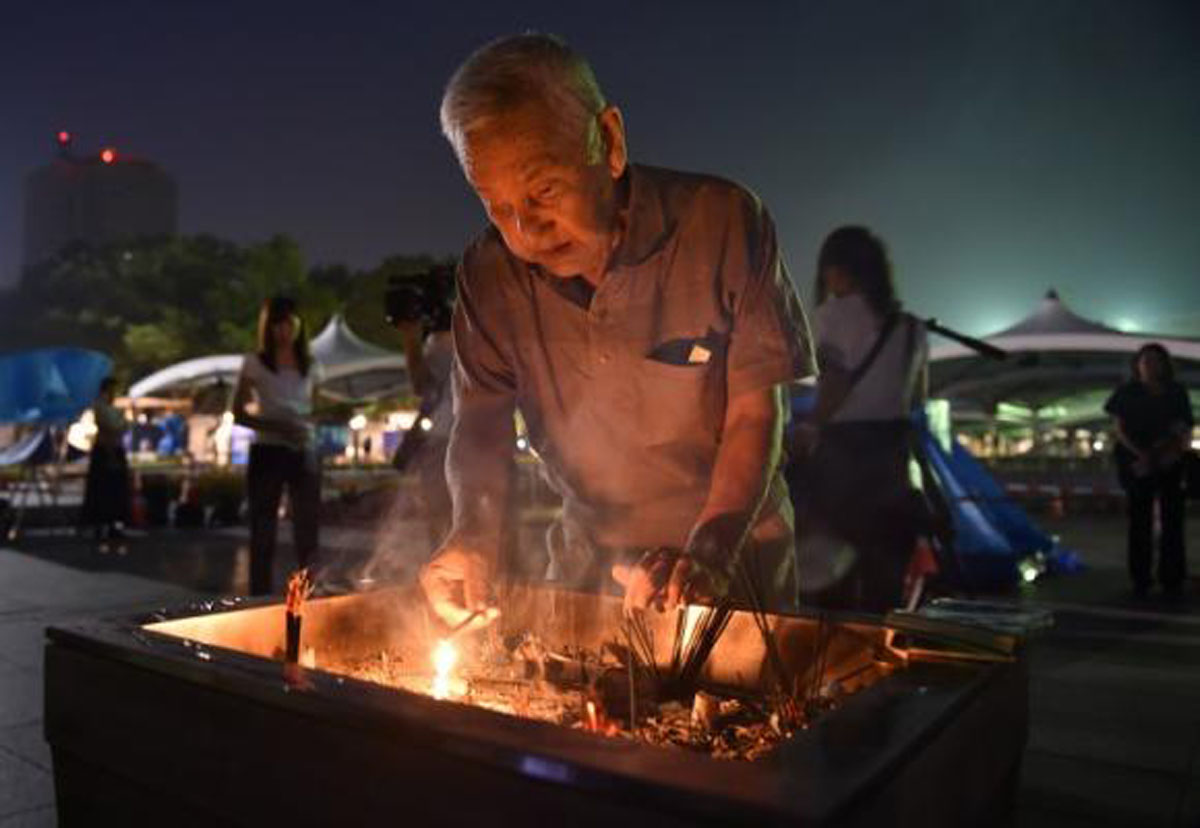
(64, 137)
(108, 155)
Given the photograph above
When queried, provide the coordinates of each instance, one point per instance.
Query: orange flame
(445, 656)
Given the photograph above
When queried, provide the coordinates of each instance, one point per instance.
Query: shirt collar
(647, 228)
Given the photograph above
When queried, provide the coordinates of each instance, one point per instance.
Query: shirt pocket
(677, 403)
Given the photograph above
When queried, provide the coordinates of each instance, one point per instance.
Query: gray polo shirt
(624, 390)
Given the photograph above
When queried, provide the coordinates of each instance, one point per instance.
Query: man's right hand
(645, 581)
(456, 584)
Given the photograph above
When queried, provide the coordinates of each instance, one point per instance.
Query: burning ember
(619, 690)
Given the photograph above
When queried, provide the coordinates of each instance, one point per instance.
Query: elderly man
(643, 323)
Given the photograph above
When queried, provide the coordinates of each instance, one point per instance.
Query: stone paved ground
(1115, 695)
(1115, 686)
(33, 594)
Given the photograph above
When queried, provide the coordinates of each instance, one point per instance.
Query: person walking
(1153, 423)
(872, 357)
(274, 396)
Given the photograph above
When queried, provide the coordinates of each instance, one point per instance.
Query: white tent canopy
(1055, 327)
(341, 351)
(190, 372)
(1053, 353)
(352, 368)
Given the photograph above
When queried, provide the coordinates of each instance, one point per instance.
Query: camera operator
(419, 308)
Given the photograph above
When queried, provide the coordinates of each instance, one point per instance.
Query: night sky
(999, 147)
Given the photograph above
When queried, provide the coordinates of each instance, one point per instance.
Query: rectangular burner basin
(190, 718)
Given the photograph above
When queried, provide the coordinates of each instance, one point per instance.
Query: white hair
(519, 71)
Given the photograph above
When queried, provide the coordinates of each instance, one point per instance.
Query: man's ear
(612, 133)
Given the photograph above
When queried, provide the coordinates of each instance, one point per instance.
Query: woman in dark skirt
(1154, 427)
(274, 396)
(106, 493)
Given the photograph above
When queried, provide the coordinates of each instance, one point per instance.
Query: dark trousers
(271, 467)
(1167, 487)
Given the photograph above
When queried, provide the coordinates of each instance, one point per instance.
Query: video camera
(426, 297)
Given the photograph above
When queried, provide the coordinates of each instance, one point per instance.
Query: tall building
(96, 199)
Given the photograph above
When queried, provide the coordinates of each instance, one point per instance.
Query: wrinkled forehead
(514, 145)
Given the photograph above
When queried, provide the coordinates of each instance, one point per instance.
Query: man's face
(552, 207)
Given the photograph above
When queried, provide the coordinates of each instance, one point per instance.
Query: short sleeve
(482, 368)
(1117, 404)
(479, 457)
(770, 341)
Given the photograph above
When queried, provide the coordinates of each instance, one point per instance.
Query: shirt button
(604, 358)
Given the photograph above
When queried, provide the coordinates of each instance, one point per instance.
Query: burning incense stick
(462, 625)
(299, 587)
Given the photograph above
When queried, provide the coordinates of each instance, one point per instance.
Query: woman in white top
(274, 396)
(872, 357)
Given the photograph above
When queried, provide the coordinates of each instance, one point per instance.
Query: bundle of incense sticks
(299, 587)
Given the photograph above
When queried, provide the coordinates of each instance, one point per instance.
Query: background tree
(154, 301)
(151, 302)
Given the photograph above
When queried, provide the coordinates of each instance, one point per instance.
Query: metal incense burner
(195, 717)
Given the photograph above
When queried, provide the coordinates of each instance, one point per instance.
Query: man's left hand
(703, 571)
(709, 560)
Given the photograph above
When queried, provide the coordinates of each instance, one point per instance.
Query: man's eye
(546, 191)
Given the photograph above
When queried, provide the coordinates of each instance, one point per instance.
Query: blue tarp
(992, 534)
(51, 386)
